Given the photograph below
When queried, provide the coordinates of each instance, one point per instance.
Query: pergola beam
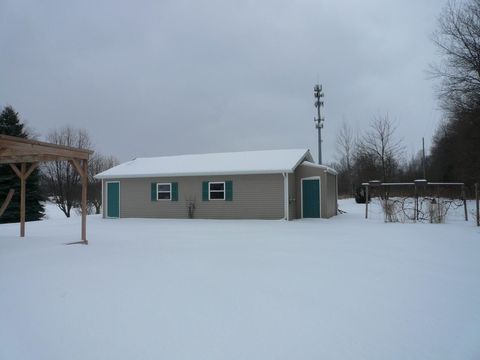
(7, 201)
(15, 170)
(30, 169)
(78, 167)
(39, 147)
(31, 158)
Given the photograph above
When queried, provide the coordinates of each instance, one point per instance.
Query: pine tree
(10, 124)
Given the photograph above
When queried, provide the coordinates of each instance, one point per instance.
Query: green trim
(174, 191)
(153, 192)
(228, 190)
(205, 191)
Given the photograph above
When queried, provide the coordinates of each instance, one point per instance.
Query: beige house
(270, 184)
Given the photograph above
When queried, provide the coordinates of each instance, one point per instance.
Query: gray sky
(149, 78)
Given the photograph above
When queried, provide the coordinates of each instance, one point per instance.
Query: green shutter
(228, 190)
(174, 191)
(153, 192)
(205, 191)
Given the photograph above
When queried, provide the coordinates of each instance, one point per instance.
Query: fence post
(415, 207)
(477, 203)
(366, 201)
(464, 203)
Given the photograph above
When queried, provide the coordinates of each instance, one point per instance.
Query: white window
(164, 191)
(216, 190)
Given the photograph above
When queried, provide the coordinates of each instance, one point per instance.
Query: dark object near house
(360, 195)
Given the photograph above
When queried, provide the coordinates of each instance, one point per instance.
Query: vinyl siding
(292, 209)
(254, 197)
(331, 195)
(327, 190)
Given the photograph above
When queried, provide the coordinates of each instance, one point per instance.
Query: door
(311, 198)
(113, 199)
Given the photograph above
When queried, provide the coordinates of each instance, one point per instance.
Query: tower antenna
(318, 94)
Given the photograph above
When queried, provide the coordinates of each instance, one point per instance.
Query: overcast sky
(149, 78)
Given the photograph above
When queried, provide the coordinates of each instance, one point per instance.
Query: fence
(419, 200)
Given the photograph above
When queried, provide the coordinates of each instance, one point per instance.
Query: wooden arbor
(28, 153)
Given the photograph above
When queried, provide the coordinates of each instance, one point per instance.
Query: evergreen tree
(10, 124)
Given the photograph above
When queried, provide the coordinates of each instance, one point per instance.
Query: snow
(52, 211)
(318, 166)
(233, 163)
(342, 288)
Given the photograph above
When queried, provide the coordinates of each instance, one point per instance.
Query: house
(270, 184)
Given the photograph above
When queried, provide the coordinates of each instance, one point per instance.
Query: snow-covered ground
(343, 288)
(52, 211)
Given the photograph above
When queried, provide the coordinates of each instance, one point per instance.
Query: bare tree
(455, 153)
(62, 180)
(380, 145)
(97, 164)
(458, 39)
(346, 142)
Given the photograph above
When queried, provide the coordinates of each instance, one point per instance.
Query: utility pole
(423, 158)
(318, 94)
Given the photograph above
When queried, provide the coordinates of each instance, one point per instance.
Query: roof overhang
(318, 166)
(157, 175)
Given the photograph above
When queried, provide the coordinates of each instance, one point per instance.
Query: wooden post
(464, 202)
(23, 174)
(82, 169)
(84, 200)
(23, 170)
(366, 201)
(7, 201)
(477, 203)
(385, 203)
(415, 207)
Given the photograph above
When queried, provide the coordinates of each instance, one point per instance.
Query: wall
(254, 197)
(292, 197)
(331, 195)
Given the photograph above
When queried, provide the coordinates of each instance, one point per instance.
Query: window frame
(217, 191)
(164, 192)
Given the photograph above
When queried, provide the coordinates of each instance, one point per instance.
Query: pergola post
(23, 174)
(82, 170)
(22, 200)
(84, 200)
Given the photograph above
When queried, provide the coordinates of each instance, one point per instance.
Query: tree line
(56, 181)
(377, 153)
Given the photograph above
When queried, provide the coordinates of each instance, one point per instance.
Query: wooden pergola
(28, 153)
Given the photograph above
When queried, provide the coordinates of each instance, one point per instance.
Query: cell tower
(318, 94)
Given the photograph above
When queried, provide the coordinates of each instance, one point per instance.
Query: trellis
(28, 154)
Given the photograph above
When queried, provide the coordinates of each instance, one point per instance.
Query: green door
(113, 199)
(311, 198)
